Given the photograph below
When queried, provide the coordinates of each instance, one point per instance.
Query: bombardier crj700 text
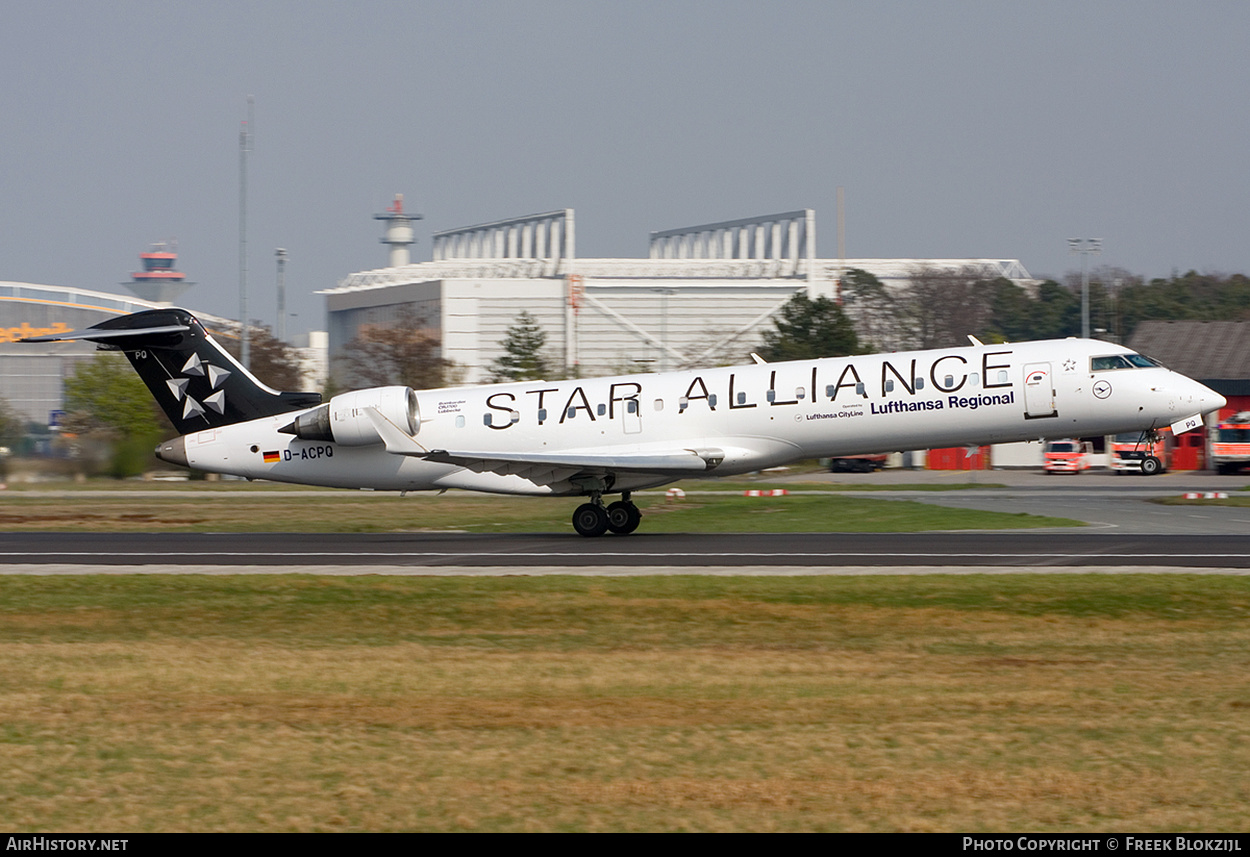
(604, 436)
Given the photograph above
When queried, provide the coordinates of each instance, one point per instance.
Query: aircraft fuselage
(755, 416)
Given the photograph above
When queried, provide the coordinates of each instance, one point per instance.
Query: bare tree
(406, 351)
(273, 361)
(944, 305)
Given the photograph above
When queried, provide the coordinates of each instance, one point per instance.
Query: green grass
(355, 511)
(982, 703)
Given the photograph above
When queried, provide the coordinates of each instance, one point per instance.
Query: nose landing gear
(592, 519)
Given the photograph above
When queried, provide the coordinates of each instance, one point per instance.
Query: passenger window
(974, 379)
(683, 403)
(460, 421)
(889, 385)
(603, 409)
(829, 390)
(771, 395)
(1002, 376)
(659, 404)
(860, 390)
(711, 399)
(542, 415)
(572, 413)
(919, 382)
(949, 381)
(631, 406)
(799, 393)
(742, 398)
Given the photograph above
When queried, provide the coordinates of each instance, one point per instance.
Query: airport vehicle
(1135, 452)
(858, 463)
(1230, 446)
(1067, 456)
(615, 435)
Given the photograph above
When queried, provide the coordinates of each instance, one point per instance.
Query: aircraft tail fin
(196, 382)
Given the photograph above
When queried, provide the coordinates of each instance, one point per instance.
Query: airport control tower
(398, 231)
(158, 281)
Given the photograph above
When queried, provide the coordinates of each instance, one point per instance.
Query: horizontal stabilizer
(93, 335)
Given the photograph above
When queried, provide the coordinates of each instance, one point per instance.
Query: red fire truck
(1230, 447)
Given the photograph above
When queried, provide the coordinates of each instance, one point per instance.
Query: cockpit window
(1113, 361)
(1121, 361)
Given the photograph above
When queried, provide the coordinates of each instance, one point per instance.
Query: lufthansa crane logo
(1102, 389)
(215, 376)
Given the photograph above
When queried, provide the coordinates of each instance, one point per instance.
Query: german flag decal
(272, 457)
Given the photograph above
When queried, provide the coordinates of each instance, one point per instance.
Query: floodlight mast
(1085, 246)
(280, 254)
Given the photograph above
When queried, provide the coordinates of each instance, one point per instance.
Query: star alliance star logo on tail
(214, 375)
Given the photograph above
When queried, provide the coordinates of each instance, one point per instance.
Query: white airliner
(604, 436)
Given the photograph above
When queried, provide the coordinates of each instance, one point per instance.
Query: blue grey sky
(958, 129)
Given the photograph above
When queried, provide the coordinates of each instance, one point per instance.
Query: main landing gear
(593, 519)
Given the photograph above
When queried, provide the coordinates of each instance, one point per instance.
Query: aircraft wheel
(1150, 465)
(623, 517)
(590, 519)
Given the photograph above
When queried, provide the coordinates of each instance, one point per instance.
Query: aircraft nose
(1208, 400)
(1195, 396)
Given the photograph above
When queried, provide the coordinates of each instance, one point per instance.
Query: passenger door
(1039, 392)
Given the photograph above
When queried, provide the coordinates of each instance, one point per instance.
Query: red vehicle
(1067, 456)
(1131, 453)
(1230, 447)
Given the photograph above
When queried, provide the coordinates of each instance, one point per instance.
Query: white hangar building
(703, 296)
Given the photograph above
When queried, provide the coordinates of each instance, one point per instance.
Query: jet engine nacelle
(343, 419)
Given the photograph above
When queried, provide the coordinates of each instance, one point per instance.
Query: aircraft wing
(676, 462)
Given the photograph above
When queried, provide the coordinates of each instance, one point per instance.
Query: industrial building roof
(1205, 350)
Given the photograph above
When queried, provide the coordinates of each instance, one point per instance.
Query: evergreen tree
(806, 328)
(874, 311)
(522, 358)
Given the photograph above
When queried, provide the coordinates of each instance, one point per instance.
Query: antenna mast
(245, 146)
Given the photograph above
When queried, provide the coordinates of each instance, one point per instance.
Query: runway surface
(1125, 532)
(559, 553)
